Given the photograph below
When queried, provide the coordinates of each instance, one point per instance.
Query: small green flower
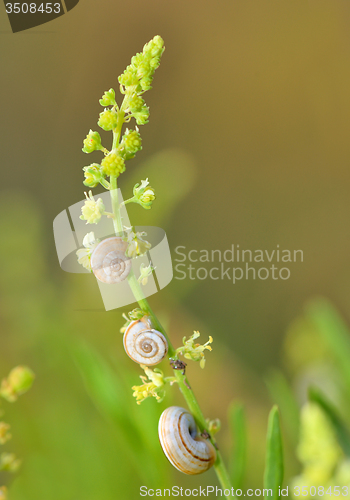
(92, 210)
(128, 78)
(145, 273)
(19, 381)
(4, 433)
(132, 316)
(113, 164)
(136, 103)
(152, 385)
(193, 351)
(144, 194)
(214, 426)
(136, 244)
(92, 142)
(84, 254)
(9, 462)
(142, 116)
(108, 98)
(93, 175)
(131, 143)
(108, 119)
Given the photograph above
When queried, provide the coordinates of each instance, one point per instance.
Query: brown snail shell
(143, 344)
(109, 262)
(185, 450)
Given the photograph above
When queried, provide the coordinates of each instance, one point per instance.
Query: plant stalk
(182, 380)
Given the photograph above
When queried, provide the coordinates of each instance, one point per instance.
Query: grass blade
(282, 394)
(334, 331)
(316, 396)
(274, 468)
(239, 449)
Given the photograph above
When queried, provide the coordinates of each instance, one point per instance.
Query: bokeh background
(248, 143)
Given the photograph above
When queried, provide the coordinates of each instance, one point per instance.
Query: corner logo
(69, 232)
(26, 15)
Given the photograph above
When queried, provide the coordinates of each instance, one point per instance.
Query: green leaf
(239, 449)
(334, 331)
(282, 394)
(343, 434)
(274, 469)
(135, 426)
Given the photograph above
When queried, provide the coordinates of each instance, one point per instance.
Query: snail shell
(143, 344)
(109, 262)
(185, 450)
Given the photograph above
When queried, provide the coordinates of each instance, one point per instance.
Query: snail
(143, 344)
(109, 262)
(185, 450)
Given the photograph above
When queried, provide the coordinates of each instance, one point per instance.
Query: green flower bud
(136, 60)
(143, 65)
(146, 83)
(142, 116)
(92, 210)
(19, 381)
(136, 103)
(155, 47)
(129, 77)
(108, 98)
(154, 63)
(93, 175)
(131, 143)
(108, 119)
(92, 142)
(113, 164)
(144, 69)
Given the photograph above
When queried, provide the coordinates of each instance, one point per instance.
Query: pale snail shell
(143, 344)
(109, 262)
(185, 450)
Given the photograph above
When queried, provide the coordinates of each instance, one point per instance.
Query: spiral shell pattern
(109, 262)
(185, 450)
(143, 344)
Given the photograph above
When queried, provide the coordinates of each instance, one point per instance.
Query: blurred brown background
(255, 97)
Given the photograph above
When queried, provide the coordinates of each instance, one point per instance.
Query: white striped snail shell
(143, 344)
(109, 262)
(184, 449)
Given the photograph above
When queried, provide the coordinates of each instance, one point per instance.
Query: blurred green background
(247, 144)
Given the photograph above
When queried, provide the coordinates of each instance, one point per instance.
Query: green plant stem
(182, 380)
(117, 220)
